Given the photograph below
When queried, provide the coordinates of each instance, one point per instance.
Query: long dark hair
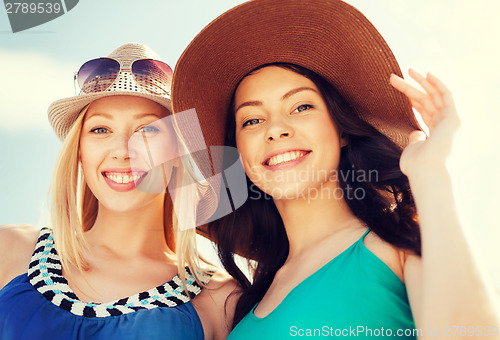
(386, 206)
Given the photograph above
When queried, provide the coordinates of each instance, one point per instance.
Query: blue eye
(149, 129)
(303, 107)
(99, 130)
(252, 121)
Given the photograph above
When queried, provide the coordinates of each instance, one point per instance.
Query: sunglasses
(98, 75)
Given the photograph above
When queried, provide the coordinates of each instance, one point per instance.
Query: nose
(120, 149)
(278, 129)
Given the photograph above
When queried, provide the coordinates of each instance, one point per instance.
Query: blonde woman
(116, 262)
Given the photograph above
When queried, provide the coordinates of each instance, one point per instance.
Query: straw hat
(329, 37)
(63, 113)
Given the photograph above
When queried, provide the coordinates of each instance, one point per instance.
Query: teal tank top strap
(377, 262)
(363, 236)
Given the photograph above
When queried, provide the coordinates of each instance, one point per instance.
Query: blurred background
(455, 39)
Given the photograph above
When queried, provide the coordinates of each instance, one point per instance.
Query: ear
(176, 162)
(343, 140)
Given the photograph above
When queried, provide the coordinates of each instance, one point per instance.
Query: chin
(125, 205)
(286, 191)
(116, 207)
(304, 190)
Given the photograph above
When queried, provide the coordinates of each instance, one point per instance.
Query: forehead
(271, 77)
(125, 106)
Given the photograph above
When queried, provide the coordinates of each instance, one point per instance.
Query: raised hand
(437, 109)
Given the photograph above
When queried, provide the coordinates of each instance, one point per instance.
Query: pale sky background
(455, 39)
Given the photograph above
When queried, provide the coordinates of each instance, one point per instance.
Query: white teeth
(122, 179)
(286, 157)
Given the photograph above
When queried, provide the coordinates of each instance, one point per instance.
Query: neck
(309, 220)
(130, 233)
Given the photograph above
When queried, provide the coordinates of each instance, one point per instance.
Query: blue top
(41, 305)
(353, 295)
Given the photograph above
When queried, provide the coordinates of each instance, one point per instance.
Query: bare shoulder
(18, 235)
(392, 256)
(17, 242)
(216, 303)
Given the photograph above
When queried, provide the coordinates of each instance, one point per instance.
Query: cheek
(331, 152)
(90, 156)
(152, 151)
(83, 157)
(326, 130)
(162, 150)
(246, 153)
(88, 166)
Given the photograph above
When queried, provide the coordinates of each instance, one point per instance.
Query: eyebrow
(285, 96)
(298, 89)
(252, 103)
(137, 116)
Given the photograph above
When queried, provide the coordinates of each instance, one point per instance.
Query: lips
(123, 180)
(284, 157)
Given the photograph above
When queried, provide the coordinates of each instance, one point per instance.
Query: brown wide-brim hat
(328, 37)
(64, 112)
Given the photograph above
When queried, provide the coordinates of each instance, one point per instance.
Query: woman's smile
(121, 137)
(282, 127)
(123, 179)
(285, 159)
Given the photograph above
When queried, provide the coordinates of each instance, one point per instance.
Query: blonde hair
(73, 210)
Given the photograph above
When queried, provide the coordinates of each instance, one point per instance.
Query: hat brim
(328, 37)
(63, 113)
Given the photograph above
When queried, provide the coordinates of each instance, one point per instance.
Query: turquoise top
(355, 294)
(40, 305)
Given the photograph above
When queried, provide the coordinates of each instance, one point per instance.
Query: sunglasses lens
(153, 76)
(97, 75)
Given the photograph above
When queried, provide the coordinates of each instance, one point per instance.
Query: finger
(450, 111)
(401, 85)
(416, 136)
(445, 92)
(425, 107)
(423, 124)
(426, 117)
(438, 83)
(420, 100)
(428, 87)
